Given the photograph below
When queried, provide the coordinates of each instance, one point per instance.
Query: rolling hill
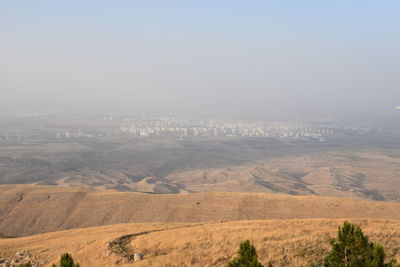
(362, 168)
(283, 242)
(27, 209)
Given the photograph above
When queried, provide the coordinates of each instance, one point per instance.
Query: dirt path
(121, 247)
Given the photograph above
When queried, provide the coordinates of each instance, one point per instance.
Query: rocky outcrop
(20, 258)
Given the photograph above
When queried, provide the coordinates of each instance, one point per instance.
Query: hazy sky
(328, 57)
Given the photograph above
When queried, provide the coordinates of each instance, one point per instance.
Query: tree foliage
(352, 248)
(247, 256)
(67, 261)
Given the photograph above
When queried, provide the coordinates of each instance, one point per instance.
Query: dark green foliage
(66, 261)
(352, 249)
(28, 264)
(247, 256)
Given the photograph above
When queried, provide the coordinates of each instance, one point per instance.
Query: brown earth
(28, 209)
(360, 168)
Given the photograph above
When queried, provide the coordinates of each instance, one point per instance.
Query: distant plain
(356, 167)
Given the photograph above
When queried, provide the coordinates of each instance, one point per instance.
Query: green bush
(352, 248)
(67, 261)
(247, 256)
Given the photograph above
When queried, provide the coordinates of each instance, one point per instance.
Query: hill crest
(27, 209)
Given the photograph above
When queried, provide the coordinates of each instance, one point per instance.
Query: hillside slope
(283, 242)
(27, 209)
(352, 167)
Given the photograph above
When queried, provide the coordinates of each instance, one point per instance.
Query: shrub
(66, 261)
(247, 256)
(352, 248)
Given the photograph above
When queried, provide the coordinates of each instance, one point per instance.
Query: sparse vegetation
(352, 248)
(67, 261)
(247, 256)
(281, 242)
(54, 212)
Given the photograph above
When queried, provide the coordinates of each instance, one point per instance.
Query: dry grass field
(192, 229)
(283, 242)
(27, 209)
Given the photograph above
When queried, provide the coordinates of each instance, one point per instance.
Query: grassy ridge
(27, 210)
(283, 242)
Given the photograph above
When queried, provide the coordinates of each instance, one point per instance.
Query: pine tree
(352, 249)
(66, 261)
(247, 256)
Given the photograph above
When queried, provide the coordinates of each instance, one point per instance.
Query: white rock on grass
(137, 257)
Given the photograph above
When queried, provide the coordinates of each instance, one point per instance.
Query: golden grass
(45, 208)
(88, 246)
(284, 242)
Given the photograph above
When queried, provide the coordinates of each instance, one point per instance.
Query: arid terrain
(291, 242)
(191, 201)
(28, 210)
(173, 133)
(362, 169)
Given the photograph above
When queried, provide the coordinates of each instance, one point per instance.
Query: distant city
(45, 128)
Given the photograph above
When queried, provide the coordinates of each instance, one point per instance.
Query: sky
(320, 58)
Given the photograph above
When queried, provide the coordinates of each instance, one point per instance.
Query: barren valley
(364, 169)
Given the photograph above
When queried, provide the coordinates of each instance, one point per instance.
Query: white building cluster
(211, 127)
(171, 126)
